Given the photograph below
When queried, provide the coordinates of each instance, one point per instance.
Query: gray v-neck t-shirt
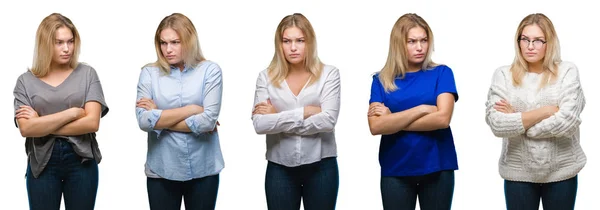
(81, 86)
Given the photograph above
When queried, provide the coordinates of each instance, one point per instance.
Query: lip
(294, 55)
(65, 56)
(170, 56)
(419, 55)
(530, 53)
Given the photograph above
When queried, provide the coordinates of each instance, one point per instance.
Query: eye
(410, 41)
(286, 41)
(162, 43)
(301, 40)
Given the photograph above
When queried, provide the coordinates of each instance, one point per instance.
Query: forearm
(530, 118)
(181, 126)
(170, 117)
(45, 125)
(430, 122)
(395, 122)
(87, 124)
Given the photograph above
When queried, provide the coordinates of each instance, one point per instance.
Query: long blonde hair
(183, 26)
(279, 67)
(552, 57)
(397, 61)
(44, 43)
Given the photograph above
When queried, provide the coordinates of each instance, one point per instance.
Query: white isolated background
(473, 38)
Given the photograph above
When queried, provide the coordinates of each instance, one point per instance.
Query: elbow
(145, 127)
(444, 123)
(27, 132)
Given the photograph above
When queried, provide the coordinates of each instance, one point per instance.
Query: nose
(65, 47)
(293, 47)
(530, 45)
(419, 47)
(169, 48)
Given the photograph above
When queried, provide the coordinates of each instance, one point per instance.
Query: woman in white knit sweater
(534, 106)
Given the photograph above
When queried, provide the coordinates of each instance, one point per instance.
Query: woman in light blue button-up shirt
(178, 103)
(296, 105)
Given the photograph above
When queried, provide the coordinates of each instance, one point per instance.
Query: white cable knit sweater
(548, 151)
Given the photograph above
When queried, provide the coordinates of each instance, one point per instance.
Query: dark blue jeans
(316, 184)
(198, 194)
(64, 175)
(555, 196)
(434, 191)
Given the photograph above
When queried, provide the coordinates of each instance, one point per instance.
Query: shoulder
(566, 67)
(502, 72)
(150, 69)
(330, 71)
(25, 76)
(209, 65)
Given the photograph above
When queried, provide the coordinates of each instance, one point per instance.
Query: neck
(60, 67)
(297, 68)
(414, 67)
(536, 67)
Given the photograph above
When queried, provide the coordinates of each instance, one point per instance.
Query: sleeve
(330, 108)
(566, 121)
(282, 122)
(95, 92)
(502, 124)
(213, 91)
(146, 118)
(21, 98)
(377, 90)
(446, 83)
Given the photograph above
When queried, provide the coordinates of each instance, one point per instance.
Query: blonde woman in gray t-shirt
(58, 105)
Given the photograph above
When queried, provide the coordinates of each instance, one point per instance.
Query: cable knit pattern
(549, 151)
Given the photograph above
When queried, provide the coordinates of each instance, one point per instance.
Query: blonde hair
(183, 26)
(552, 57)
(397, 62)
(279, 67)
(44, 43)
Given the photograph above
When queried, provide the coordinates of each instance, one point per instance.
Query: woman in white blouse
(296, 104)
(534, 106)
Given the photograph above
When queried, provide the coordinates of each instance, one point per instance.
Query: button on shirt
(291, 139)
(176, 155)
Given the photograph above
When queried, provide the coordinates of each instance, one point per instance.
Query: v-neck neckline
(301, 90)
(63, 82)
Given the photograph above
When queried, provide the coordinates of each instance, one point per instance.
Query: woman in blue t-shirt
(411, 105)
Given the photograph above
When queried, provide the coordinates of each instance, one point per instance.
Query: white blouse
(292, 140)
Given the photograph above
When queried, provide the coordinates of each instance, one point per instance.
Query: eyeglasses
(537, 43)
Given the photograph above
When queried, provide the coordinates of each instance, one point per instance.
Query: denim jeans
(316, 184)
(198, 194)
(434, 191)
(555, 195)
(64, 175)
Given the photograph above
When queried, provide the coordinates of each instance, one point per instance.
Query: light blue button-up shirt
(176, 155)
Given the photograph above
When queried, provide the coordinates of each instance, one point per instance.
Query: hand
(214, 130)
(504, 107)
(26, 112)
(311, 110)
(264, 108)
(146, 103)
(77, 112)
(378, 109)
(428, 109)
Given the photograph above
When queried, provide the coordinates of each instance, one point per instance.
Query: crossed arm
(305, 120)
(71, 122)
(419, 118)
(542, 122)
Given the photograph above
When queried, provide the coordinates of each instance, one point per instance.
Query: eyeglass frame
(532, 42)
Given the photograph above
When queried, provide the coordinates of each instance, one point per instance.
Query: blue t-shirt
(411, 153)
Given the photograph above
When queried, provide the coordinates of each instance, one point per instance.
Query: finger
(269, 101)
(218, 124)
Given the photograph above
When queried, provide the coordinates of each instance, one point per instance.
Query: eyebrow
(539, 37)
